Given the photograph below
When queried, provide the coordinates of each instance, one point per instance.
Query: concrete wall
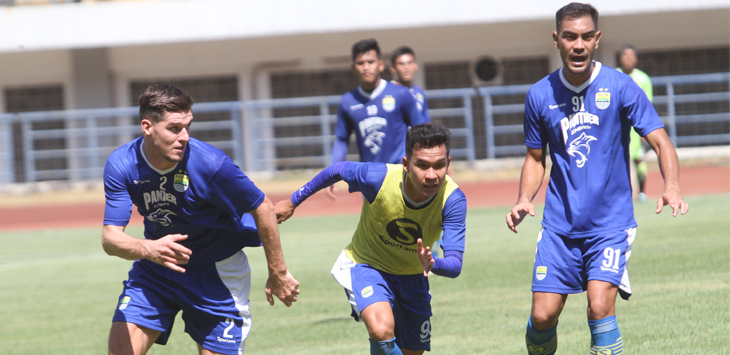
(95, 49)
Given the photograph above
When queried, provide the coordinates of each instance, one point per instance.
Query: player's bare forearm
(669, 166)
(265, 218)
(533, 171)
(532, 174)
(166, 251)
(280, 282)
(118, 243)
(667, 158)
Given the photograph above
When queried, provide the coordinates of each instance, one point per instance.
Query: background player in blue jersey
(377, 111)
(384, 268)
(199, 211)
(583, 112)
(404, 67)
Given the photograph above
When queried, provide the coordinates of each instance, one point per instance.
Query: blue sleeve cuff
(449, 265)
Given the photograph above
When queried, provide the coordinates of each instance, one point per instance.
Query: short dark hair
(427, 135)
(364, 46)
(628, 46)
(623, 49)
(575, 10)
(158, 99)
(401, 51)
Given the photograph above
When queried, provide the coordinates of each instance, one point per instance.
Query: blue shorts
(565, 265)
(214, 300)
(408, 295)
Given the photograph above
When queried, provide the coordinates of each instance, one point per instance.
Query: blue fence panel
(89, 136)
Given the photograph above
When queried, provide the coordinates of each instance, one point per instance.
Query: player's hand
(425, 257)
(331, 191)
(518, 213)
(167, 251)
(674, 200)
(286, 288)
(284, 209)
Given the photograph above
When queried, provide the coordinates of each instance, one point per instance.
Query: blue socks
(387, 347)
(605, 336)
(541, 342)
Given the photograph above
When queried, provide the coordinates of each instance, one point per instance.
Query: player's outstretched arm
(280, 282)
(669, 166)
(425, 257)
(533, 171)
(339, 153)
(165, 251)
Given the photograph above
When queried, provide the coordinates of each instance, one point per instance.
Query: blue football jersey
(420, 95)
(587, 131)
(380, 120)
(204, 196)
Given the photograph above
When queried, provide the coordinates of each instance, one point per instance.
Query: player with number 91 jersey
(590, 186)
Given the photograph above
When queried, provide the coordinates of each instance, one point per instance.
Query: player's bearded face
(425, 172)
(367, 67)
(167, 140)
(577, 41)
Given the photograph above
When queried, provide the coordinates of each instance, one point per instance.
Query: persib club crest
(541, 272)
(388, 103)
(603, 100)
(181, 182)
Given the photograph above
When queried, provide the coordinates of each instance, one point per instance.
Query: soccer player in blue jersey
(377, 111)
(583, 113)
(404, 67)
(384, 268)
(199, 211)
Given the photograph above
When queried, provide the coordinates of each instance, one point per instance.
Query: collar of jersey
(379, 89)
(161, 172)
(580, 88)
(413, 204)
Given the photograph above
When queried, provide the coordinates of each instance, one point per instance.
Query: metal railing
(256, 144)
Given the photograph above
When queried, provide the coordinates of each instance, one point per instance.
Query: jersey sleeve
(343, 128)
(424, 111)
(639, 110)
(454, 216)
(118, 207)
(532, 126)
(411, 115)
(339, 150)
(232, 191)
(366, 178)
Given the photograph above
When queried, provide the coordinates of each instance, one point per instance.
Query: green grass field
(59, 290)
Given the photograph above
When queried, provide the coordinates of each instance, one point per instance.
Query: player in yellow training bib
(384, 269)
